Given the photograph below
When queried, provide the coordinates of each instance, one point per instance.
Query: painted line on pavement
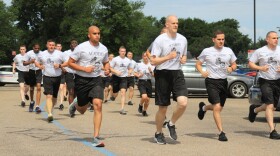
(68, 132)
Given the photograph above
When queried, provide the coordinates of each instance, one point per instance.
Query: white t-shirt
(86, 54)
(121, 64)
(163, 45)
(217, 61)
(32, 55)
(19, 59)
(266, 56)
(66, 56)
(144, 68)
(133, 65)
(48, 59)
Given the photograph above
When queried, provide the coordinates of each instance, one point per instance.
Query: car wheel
(238, 90)
(2, 84)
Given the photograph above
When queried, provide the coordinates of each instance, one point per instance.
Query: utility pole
(254, 24)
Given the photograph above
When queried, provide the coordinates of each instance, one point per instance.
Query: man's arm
(253, 66)
(198, 66)
(72, 64)
(159, 60)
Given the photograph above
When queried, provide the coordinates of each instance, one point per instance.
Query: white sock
(170, 123)
(203, 108)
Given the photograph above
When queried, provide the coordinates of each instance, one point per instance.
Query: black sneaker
(50, 118)
(252, 114)
(140, 108)
(26, 97)
(164, 124)
(222, 137)
(61, 107)
(72, 109)
(91, 109)
(144, 113)
(105, 101)
(172, 132)
(65, 98)
(31, 106)
(38, 110)
(130, 103)
(274, 135)
(159, 138)
(22, 104)
(201, 113)
(112, 98)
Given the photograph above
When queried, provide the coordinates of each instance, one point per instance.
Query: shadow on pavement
(204, 135)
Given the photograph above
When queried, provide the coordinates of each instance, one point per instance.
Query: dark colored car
(238, 84)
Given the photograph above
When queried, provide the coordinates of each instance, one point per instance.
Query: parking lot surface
(27, 134)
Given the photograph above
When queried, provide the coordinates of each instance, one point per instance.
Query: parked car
(255, 94)
(7, 76)
(238, 84)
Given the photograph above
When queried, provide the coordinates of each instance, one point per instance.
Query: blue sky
(267, 12)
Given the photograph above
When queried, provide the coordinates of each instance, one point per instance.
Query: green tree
(8, 33)
(78, 17)
(38, 20)
(123, 23)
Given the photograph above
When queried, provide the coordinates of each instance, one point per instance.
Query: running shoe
(22, 104)
(97, 143)
(222, 137)
(61, 107)
(201, 113)
(38, 109)
(160, 139)
(31, 106)
(140, 108)
(172, 132)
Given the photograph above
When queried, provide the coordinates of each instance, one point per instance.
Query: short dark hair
(217, 32)
(270, 33)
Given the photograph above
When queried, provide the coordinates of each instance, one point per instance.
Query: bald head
(171, 24)
(94, 35)
(92, 28)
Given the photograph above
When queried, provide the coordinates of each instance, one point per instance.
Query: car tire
(2, 84)
(238, 90)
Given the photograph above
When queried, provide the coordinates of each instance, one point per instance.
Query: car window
(191, 68)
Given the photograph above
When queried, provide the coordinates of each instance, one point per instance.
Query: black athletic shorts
(106, 81)
(167, 82)
(119, 83)
(88, 88)
(23, 77)
(145, 87)
(130, 81)
(51, 85)
(35, 76)
(217, 90)
(62, 80)
(69, 79)
(270, 91)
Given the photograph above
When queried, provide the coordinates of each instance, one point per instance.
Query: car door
(194, 81)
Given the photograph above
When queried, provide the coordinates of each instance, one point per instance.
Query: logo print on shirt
(219, 62)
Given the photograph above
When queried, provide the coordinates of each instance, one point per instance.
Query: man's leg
(22, 93)
(130, 95)
(180, 109)
(122, 91)
(160, 116)
(97, 118)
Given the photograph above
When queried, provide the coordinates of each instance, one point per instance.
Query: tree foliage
(121, 22)
(8, 33)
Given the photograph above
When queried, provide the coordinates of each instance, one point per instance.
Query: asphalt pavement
(27, 134)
